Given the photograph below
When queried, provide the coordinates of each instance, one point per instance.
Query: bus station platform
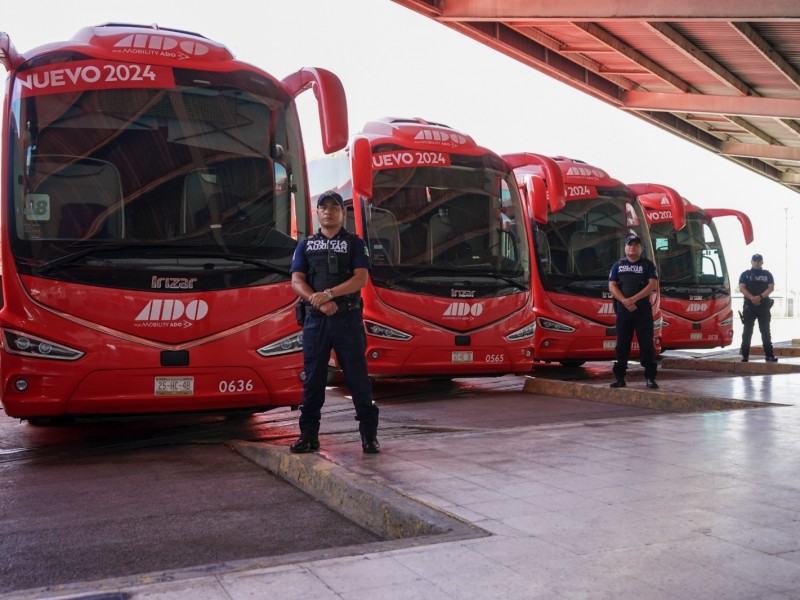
(699, 498)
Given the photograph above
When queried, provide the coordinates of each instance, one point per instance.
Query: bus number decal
(409, 158)
(580, 191)
(92, 74)
(495, 358)
(235, 385)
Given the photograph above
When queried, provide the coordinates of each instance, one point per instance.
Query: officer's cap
(633, 239)
(757, 258)
(330, 195)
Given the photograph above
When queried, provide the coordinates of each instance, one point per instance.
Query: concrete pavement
(703, 502)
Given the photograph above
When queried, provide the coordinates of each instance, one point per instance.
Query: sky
(395, 62)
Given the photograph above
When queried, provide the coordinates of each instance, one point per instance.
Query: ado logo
(463, 309)
(172, 310)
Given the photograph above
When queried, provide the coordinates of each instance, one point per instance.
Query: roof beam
(768, 52)
(791, 178)
(594, 10)
(696, 55)
(743, 106)
(633, 55)
(790, 153)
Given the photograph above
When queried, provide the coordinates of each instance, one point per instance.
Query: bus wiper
(68, 259)
(72, 258)
(492, 274)
(251, 260)
(418, 272)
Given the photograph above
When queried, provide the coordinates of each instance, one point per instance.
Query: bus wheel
(47, 421)
(335, 376)
(572, 364)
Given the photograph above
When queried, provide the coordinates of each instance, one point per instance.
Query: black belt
(343, 308)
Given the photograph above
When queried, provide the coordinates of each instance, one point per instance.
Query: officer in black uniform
(631, 281)
(756, 284)
(328, 271)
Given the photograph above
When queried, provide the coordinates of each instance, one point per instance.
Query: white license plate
(462, 357)
(609, 344)
(695, 336)
(174, 386)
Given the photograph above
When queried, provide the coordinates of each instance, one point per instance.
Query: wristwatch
(328, 293)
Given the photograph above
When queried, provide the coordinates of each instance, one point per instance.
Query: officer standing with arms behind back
(328, 271)
(631, 281)
(756, 284)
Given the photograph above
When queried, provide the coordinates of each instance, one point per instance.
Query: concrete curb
(642, 398)
(729, 366)
(381, 510)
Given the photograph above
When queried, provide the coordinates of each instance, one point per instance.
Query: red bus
(449, 293)
(153, 192)
(693, 277)
(574, 248)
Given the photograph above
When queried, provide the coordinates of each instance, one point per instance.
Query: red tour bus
(574, 248)
(153, 191)
(449, 292)
(695, 289)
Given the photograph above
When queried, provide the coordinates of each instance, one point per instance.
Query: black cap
(330, 195)
(757, 258)
(633, 239)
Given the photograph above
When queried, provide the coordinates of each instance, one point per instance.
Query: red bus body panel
(699, 319)
(172, 349)
(591, 320)
(454, 336)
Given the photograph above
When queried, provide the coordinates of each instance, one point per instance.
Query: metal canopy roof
(723, 74)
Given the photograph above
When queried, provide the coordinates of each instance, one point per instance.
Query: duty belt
(343, 308)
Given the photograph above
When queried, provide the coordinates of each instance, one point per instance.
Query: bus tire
(572, 364)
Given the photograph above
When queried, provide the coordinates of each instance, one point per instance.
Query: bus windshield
(690, 257)
(430, 227)
(196, 176)
(578, 245)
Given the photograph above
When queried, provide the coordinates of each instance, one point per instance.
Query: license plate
(695, 336)
(462, 357)
(174, 386)
(609, 344)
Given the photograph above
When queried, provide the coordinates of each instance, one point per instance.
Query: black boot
(304, 445)
(370, 445)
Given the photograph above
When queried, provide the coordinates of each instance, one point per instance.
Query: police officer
(756, 284)
(328, 271)
(631, 281)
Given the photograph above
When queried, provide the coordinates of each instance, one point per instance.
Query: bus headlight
(382, 331)
(522, 334)
(16, 342)
(287, 345)
(728, 322)
(551, 325)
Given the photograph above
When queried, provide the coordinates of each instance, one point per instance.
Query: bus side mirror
(361, 167)
(8, 55)
(332, 103)
(536, 197)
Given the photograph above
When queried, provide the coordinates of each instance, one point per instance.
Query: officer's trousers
(344, 333)
(750, 315)
(639, 321)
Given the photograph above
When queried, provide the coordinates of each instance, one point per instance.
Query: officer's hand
(632, 307)
(329, 308)
(756, 300)
(317, 299)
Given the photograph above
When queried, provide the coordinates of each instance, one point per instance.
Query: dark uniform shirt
(329, 262)
(633, 277)
(757, 281)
